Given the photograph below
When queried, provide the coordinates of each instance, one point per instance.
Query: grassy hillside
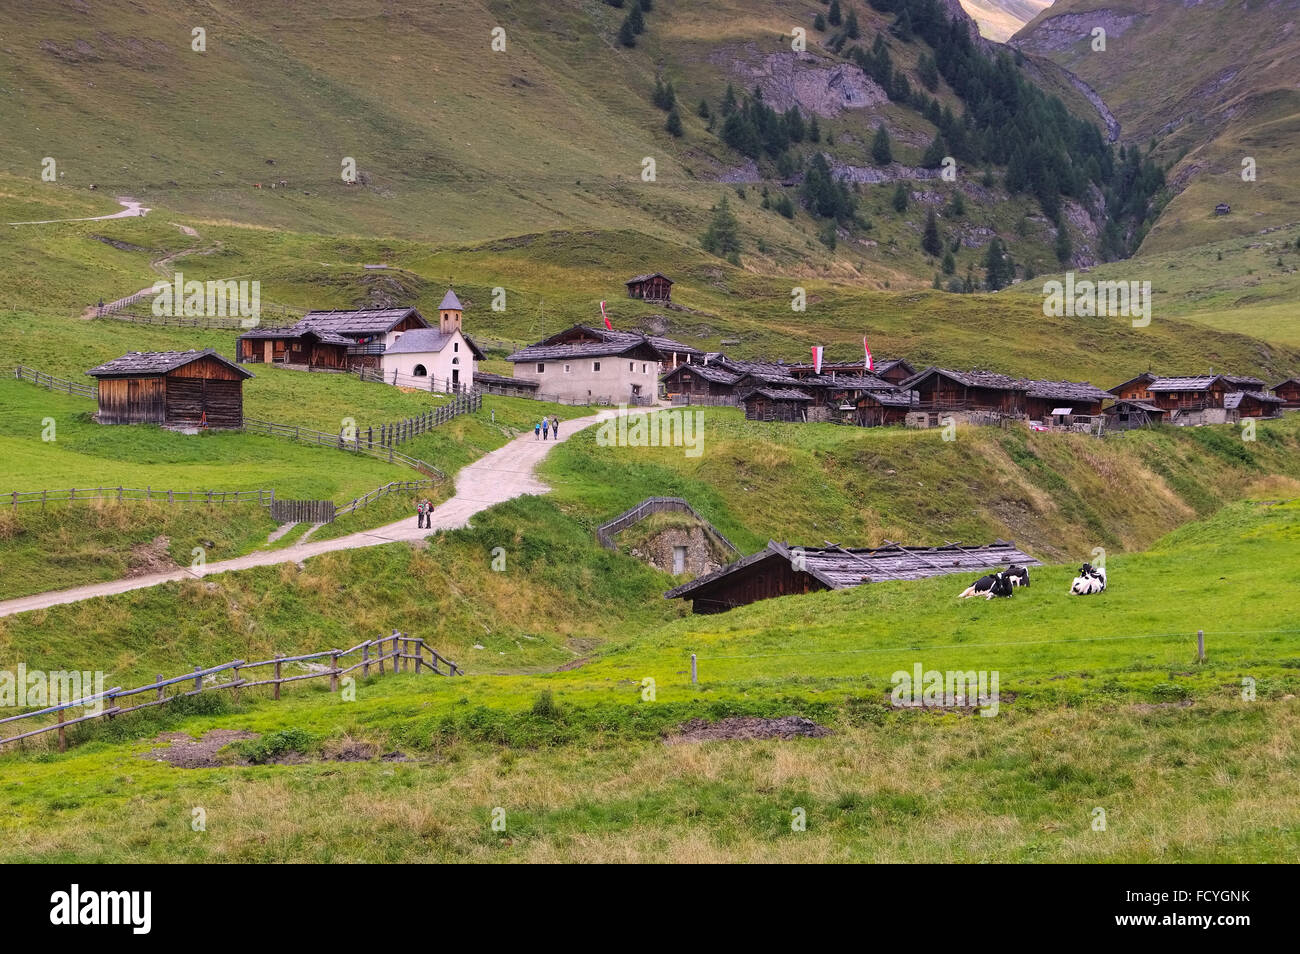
(1222, 98)
(1102, 705)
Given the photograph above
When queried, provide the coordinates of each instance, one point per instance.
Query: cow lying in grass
(1018, 575)
(995, 584)
(1091, 579)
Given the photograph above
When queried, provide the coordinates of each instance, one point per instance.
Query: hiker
(428, 514)
(546, 428)
(494, 415)
(555, 426)
(537, 431)
(421, 515)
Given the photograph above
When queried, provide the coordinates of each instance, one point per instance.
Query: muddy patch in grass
(186, 751)
(151, 557)
(747, 727)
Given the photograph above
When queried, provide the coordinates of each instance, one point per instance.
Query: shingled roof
(428, 340)
(1232, 400)
(450, 301)
(648, 275)
(970, 379)
(1065, 391)
(1200, 382)
(364, 321)
(143, 363)
(708, 372)
(839, 568)
(777, 394)
(591, 349)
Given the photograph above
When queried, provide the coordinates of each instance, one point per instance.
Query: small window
(419, 371)
(455, 360)
(455, 346)
(540, 368)
(631, 366)
(595, 365)
(567, 369)
(643, 368)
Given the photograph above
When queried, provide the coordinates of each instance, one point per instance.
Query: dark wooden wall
(189, 398)
(132, 400)
(768, 579)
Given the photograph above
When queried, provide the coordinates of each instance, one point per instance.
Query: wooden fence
(395, 487)
(605, 532)
(302, 511)
(307, 435)
(212, 323)
(51, 383)
(417, 382)
(262, 498)
(399, 432)
(406, 653)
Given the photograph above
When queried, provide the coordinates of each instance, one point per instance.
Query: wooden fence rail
(262, 498)
(605, 532)
(307, 435)
(406, 653)
(215, 322)
(395, 487)
(51, 383)
(375, 436)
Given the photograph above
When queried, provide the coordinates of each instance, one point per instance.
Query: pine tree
(930, 240)
(957, 207)
(998, 267)
(647, 5)
(949, 263)
(881, 152)
(851, 29)
(819, 23)
(627, 35)
(1064, 248)
(900, 198)
(729, 101)
(833, 15)
(814, 130)
(935, 154)
(637, 19)
(723, 235)
(674, 123)
(702, 110)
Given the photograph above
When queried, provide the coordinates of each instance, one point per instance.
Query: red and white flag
(870, 364)
(817, 358)
(605, 316)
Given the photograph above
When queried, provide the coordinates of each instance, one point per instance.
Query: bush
(274, 744)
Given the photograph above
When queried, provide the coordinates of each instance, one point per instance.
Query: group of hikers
(424, 514)
(545, 427)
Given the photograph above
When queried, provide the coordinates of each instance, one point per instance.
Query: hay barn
(172, 388)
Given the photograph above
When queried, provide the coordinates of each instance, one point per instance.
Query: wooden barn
(876, 408)
(172, 388)
(1128, 415)
(652, 287)
(294, 346)
(700, 384)
(893, 370)
(1240, 404)
(1062, 402)
(776, 404)
(782, 570)
(1289, 392)
(941, 389)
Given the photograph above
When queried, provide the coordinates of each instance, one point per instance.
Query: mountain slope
(1225, 93)
(1000, 19)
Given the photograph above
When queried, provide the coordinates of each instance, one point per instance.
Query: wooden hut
(173, 388)
(299, 347)
(1289, 392)
(783, 570)
(1125, 415)
(1241, 404)
(776, 404)
(654, 286)
(942, 389)
(700, 384)
(1063, 403)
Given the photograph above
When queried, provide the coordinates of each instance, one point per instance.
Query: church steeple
(449, 313)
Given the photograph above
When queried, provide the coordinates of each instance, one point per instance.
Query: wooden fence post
(694, 673)
(399, 664)
(1200, 645)
(277, 675)
(334, 672)
(198, 679)
(162, 691)
(380, 643)
(63, 734)
(365, 660)
(234, 690)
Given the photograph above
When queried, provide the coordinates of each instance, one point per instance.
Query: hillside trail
(161, 265)
(131, 209)
(494, 478)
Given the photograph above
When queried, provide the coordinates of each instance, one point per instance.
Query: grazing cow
(995, 584)
(1018, 575)
(1090, 580)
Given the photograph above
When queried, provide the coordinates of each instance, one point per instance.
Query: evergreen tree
(627, 35)
(674, 123)
(637, 19)
(833, 15)
(881, 153)
(900, 198)
(729, 101)
(935, 154)
(702, 110)
(949, 263)
(723, 235)
(851, 29)
(998, 268)
(647, 5)
(957, 207)
(1064, 248)
(819, 23)
(930, 240)
(814, 130)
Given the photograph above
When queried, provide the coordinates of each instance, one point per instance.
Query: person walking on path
(428, 514)
(555, 426)
(537, 431)
(546, 429)
(419, 514)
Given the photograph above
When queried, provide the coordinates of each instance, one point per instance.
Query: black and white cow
(995, 584)
(1091, 579)
(1019, 575)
